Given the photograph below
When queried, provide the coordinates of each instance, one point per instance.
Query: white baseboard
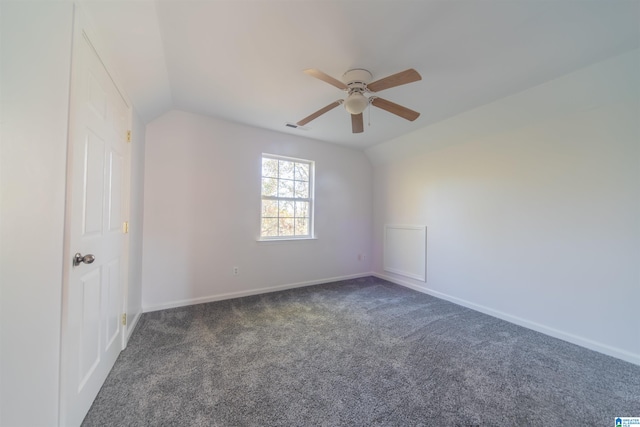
(231, 295)
(574, 339)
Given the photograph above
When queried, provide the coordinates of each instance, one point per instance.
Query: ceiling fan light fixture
(356, 103)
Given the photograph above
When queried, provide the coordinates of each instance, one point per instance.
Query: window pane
(270, 208)
(285, 188)
(269, 227)
(286, 197)
(302, 209)
(302, 190)
(286, 209)
(269, 187)
(302, 227)
(287, 227)
(269, 167)
(302, 172)
(286, 169)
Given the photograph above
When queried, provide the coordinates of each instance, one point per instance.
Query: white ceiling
(242, 60)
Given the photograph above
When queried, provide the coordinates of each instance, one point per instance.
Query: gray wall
(36, 64)
(532, 205)
(134, 297)
(202, 212)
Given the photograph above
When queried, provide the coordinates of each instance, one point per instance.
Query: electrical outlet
(236, 271)
(360, 257)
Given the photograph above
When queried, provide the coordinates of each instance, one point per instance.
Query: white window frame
(310, 199)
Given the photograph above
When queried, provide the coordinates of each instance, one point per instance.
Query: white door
(98, 177)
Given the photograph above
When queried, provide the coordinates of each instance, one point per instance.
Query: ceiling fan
(357, 83)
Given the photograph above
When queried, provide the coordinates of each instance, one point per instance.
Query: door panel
(116, 169)
(96, 97)
(113, 303)
(93, 193)
(90, 330)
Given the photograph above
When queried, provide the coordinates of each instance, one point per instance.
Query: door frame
(83, 28)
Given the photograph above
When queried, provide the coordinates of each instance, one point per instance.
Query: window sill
(285, 239)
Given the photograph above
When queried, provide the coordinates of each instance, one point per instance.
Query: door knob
(79, 258)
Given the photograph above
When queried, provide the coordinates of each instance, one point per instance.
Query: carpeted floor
(361, 352)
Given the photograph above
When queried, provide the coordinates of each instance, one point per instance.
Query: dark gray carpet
(361, 352)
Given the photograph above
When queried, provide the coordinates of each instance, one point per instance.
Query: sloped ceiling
(242, 60)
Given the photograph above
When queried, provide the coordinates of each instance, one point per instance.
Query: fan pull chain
(369, 114)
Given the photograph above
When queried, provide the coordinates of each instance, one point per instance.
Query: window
(287, 198)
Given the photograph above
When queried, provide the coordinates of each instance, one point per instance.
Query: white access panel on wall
(405, 250)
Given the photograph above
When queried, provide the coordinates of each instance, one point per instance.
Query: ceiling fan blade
(319, 113)
(396, 109)
(401, 78)
(325, 78)
(357, 123)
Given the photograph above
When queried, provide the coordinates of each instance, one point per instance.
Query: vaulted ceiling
(242, 60)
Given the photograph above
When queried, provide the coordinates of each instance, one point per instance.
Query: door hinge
(128, 136)
(124, 319)
(125, 227)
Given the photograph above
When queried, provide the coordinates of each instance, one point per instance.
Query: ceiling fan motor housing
(357, 78)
